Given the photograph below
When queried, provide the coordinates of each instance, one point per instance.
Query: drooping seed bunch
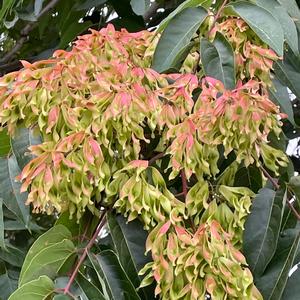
(98, 106)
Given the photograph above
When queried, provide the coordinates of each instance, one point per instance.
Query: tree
(170, 141)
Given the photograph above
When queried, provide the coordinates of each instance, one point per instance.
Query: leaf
(140, 6)
(72, 32)
(288, 75)
(109, 270)
(129, 240)
(218, 60)
(2, 235)
(10, 189)
(262, 229)
(292, 288)
(294, 186)
(280, 96)
(188, 3)
(53, 247)
(38, 289)
(85, 226)
(292, 8)
(249, 177)
(88, 288)
(22, 140)
(273, 282)
(38, 5)
(6, 7)
(4, 143)
(61, 297)
(14, 256)
(287, 24)
(7, 285)
(261, 22)
(176, 37)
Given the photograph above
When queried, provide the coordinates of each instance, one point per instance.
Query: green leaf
(14, 256)
(140, 6)
(261, 22)
(188, 3)
(294, 186)
(280, 96)
(218, 60)
(287, 24)
(85, 226)
(2, 242)
(72, 32)
(62, 297)
(109, 270)
(38, 289)
(4, 143)
(262, 229)
(7, 285)
(49, 251)
(288, 75)
(10, 189)
(129, 240)
(24, 138)
(249, 177)
(176, 37)
(292, 8)
(7, 5)
(88, 289)
(274, 280)
(292, 288)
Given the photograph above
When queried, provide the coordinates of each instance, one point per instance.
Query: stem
(272, 180)
(85, 253)
(217, 17)
(184, 183)
(184, 193)
(277, 186)
(155, 158)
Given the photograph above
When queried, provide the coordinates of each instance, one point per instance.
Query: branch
(217, 17)
(155, 158)
(85, 253)
(25, 32)
(277, 186)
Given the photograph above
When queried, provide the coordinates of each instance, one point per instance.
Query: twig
(184, 193)
(25, 32)
(155, 158)
(277, 186)
(184, 183)
(272, 180)
(217, 17)
(85, 253)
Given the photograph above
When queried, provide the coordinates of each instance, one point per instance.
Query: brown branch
(217, 17)
(277, 186)
(85, 253)
(272, 180)
(25, 32)
(155, 158)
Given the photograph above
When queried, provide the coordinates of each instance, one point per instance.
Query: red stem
(217, 17)
(84, 254)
